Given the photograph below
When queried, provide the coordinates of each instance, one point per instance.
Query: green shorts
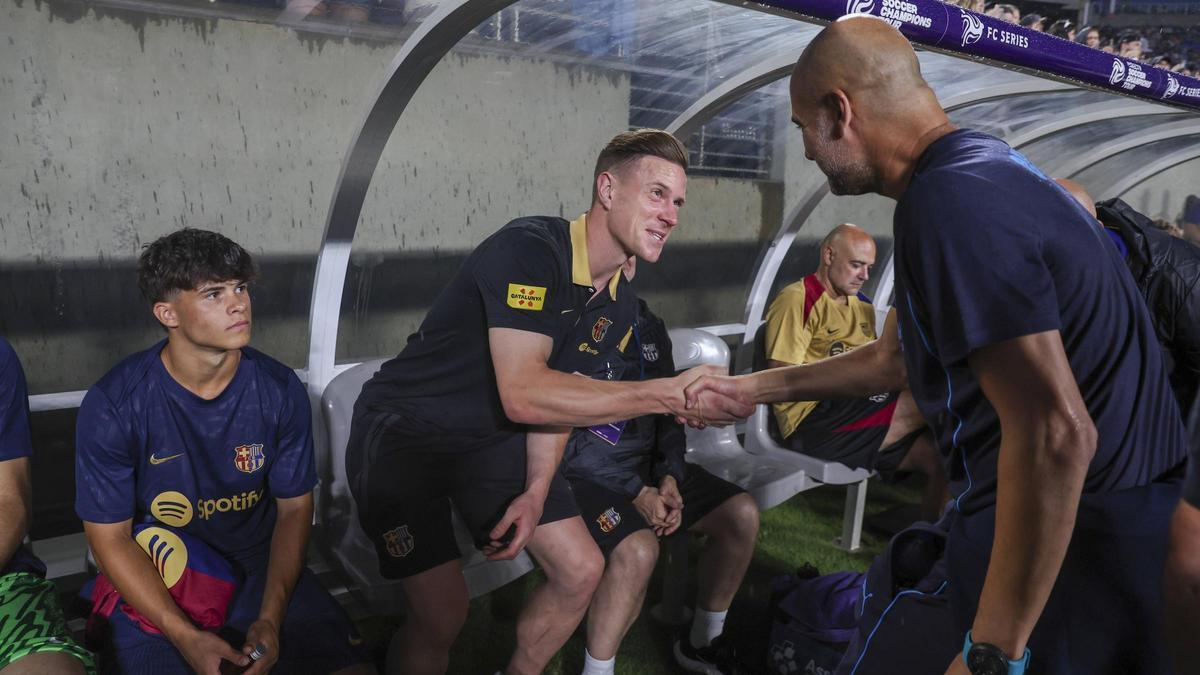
(31, 621)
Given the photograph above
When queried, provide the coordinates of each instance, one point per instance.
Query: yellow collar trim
(581, 273)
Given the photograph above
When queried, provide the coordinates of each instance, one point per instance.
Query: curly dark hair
(186, 258)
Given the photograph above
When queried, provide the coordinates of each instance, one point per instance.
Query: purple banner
(952, 28)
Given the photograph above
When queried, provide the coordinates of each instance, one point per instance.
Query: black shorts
(610, 516)
(404, 495)
(850, 431)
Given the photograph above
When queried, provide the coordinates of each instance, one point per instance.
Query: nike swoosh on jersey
(159, 460)
(566, 310)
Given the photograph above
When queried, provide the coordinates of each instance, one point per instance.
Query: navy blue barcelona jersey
(149, 449)
(989, 249)
(15, 439)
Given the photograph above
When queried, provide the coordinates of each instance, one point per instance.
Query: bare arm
(872, 368)
(15, 500)
(543, 451)
(533, 393)
(289, 540)
(133, 575)
(1047, 441)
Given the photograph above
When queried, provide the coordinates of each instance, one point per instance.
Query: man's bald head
(1079, 194)
(847, 255)
(863, 56)
(862, 105)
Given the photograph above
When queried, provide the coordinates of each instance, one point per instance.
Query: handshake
(707, 396)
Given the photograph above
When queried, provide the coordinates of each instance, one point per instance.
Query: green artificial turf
(799, 531)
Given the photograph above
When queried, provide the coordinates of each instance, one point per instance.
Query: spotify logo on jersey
(172, 508)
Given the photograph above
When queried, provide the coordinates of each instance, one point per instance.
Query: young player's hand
(263, 636)
(522, 515)
(204, 652)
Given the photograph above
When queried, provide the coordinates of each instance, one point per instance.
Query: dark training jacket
(650, 447)
(1167, 272)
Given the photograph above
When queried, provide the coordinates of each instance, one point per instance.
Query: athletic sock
(706, 626)
(594, 666)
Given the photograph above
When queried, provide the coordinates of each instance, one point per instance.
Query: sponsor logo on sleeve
(172, 508)
(600, 328)
(249, 458)
(399, 542)
(608, 520)
(524, 296)
(650, 351)
(167, 550)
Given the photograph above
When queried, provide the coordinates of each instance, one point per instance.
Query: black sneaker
(719, 658)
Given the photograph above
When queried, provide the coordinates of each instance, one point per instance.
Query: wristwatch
(987, 659)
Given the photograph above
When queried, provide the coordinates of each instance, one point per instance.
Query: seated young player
(632, 487)
(214, 439)
(33, 635)
(826, 314)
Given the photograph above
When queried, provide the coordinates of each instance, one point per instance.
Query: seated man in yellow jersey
(826, 314)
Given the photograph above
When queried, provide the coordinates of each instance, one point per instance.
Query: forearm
(12, 526)
(289, 543)
(866, 371)
(1039, 483)
(139, 584)
(560, 399)
(543, 451)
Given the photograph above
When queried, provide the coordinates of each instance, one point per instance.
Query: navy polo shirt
(989, 249)
(531, 275)
(15, 439)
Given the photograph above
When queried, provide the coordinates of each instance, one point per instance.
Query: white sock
(706, 626)
(594, 666)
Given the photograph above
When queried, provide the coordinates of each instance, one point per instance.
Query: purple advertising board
(953, 29)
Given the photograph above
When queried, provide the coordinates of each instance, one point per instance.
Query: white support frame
(1074, 165)
(1164, 163)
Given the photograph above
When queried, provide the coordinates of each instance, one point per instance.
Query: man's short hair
(186, 258)
(1128, 37)
(626, 147)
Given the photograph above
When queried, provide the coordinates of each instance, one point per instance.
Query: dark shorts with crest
(406, 496)
(610, 516)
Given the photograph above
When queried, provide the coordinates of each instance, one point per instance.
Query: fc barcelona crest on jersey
(399, 542)
(249, 458)
(600, 328)
(609, 520)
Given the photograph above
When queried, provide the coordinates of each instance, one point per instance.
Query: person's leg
(1181, 588)
(33, 634)
(921, 455)
(618, 598)
(731, 529)
(437, 604)
(573, 566)
(45, 663)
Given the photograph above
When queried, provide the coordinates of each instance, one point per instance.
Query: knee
(636, 555)
(580, 573)
(743, 517)
(435, 627)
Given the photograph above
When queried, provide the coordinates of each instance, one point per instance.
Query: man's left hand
(523, 514)
(264, 636)
(958, 667)
(669, 490)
